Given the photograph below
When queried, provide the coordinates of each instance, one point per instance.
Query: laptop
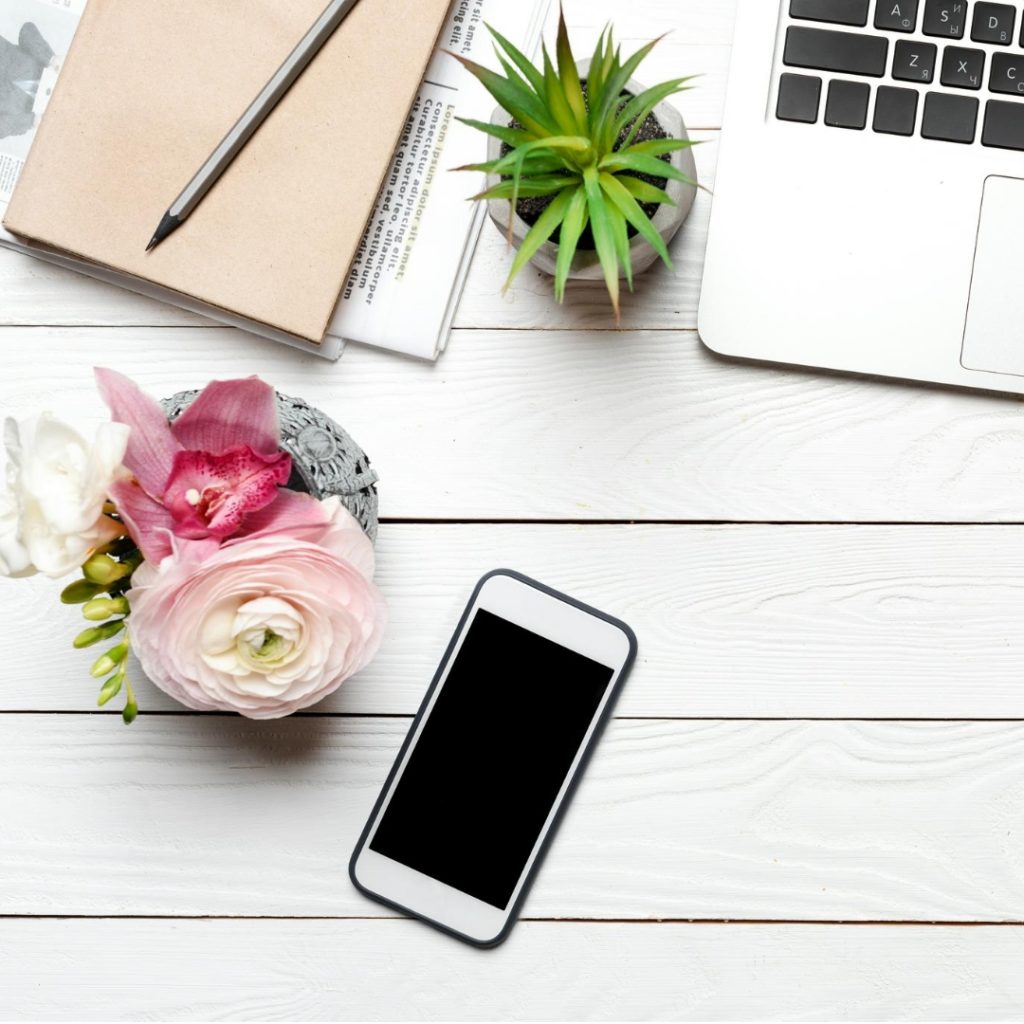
(869, 205)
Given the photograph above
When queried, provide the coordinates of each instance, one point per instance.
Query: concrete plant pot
(667, 221)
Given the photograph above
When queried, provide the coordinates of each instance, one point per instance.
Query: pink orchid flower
(216, 472)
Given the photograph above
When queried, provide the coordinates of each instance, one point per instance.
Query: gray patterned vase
(325, 460)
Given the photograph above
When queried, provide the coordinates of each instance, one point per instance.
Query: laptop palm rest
(994, 335)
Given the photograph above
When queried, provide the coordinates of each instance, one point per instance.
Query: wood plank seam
(668, 922)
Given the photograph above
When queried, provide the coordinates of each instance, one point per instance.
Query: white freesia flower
(14, 560)
(51, 516)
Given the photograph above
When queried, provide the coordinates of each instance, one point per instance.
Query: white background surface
(811, 803)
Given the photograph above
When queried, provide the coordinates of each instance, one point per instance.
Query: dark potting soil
(531, 208)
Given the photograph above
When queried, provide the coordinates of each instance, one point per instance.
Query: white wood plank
(713, 820)
(35, 293)
(776, 622)
(397, 970)
(588, 425)
(686, 22)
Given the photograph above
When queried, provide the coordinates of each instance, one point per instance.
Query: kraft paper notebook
(149, 89)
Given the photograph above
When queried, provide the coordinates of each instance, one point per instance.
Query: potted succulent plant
(590, 174)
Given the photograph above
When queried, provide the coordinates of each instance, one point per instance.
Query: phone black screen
(491, 758)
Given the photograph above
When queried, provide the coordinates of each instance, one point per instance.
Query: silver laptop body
(869, 203)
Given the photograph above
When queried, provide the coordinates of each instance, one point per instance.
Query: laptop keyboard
(948, 70)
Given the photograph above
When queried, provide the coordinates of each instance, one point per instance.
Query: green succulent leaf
(569, 74)
(658, 147)
(604, 236)
(515, 78)
(545, 227)
(621, 234)
(535, 166)
(630, 210)
(595, 76)
(644, 191)
(510, 136)
(521, 61)
(642, 164)
(575, 223)
(522, 105)
(556, 99)
(636, 111)
(529, 188)
(535, 163)
(615, 89)
(555, 147)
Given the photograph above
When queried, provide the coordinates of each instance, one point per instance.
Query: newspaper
(407, 279)
(404, 287)
(35, 36)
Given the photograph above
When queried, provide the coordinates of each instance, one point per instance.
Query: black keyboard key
(1004, 125)
(914, 61)
(847, 104)
(945, 18)
(1007, 74)
(846, 52)
(993, 23)
(896, 15)
(949, 118)
(840, 12)
(799, 98)
(895, 111)
(963, 68)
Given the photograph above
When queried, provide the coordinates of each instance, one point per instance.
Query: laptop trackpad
(994, 337)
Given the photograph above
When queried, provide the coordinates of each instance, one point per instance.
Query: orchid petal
(301, 516)
(148, 522)
(193, 552)
(209, 495)
(151, 446)
(229, 413)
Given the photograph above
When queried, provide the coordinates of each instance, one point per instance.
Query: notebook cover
(149, 89)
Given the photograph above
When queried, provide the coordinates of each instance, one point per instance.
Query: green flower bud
(80, 591)
(131, 707)
(118, 548)
(130, 713)
(100, 608)
(106, 663)
(96, 634)
(104, 570)
(111, 688)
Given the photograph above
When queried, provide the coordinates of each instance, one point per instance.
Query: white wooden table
(812, 801)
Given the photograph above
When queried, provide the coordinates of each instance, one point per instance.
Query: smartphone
(492, 758)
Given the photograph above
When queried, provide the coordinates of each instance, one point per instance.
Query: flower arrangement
(236, 592)
(574, 143)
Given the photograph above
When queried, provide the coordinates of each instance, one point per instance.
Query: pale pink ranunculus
(266, 624)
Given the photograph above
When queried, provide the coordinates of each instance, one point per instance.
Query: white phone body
(601, 640)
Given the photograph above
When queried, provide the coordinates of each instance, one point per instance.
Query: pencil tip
(167, 226)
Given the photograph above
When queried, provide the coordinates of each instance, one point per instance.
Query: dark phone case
(573, 782)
